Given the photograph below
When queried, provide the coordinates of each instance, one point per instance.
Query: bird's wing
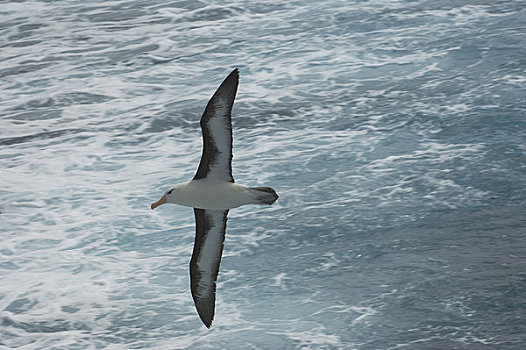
(204, 266)
(216, 124)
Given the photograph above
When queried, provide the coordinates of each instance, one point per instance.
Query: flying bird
(212, 193)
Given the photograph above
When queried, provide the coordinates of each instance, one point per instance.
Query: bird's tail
(264, 195)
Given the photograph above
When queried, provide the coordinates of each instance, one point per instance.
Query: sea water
(393, 131)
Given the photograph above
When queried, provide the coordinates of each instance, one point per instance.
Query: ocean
(394, 132)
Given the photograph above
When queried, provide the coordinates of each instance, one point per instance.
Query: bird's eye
(170, 192)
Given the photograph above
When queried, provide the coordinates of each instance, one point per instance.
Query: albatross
(212, 193)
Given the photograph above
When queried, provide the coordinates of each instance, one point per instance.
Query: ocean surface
(394, 132)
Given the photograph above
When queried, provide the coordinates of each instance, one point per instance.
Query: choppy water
(394, 132)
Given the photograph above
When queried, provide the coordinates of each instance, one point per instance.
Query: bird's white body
(211, 194)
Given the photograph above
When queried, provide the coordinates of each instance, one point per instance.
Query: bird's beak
(159, 202)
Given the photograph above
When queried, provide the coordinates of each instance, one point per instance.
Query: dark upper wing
(204, 266)
(216, 124)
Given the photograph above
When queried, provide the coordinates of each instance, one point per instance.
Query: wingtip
(206, 321)
(228, 87)
(205, 318)
(205, 309)
(234, 73)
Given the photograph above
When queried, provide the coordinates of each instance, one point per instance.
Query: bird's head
(168, 197)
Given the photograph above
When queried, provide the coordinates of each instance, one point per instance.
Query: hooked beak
(159, 202)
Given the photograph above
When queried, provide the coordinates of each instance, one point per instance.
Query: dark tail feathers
(264, 195)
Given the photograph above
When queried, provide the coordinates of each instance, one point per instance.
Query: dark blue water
(394, 132)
